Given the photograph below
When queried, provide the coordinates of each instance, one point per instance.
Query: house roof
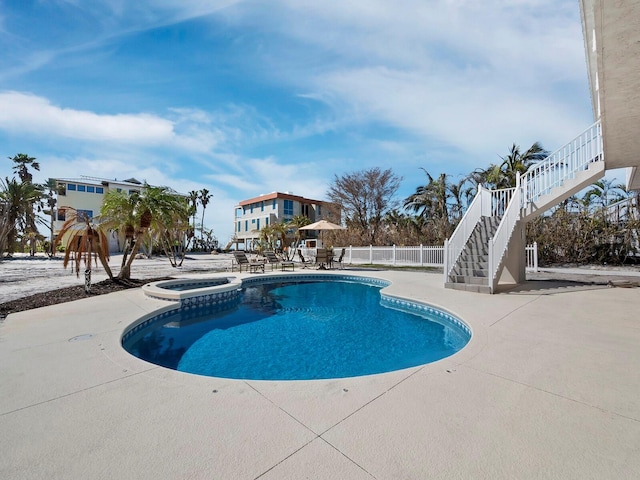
(275, 195)
(98, 181)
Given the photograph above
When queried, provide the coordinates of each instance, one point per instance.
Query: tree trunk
(125, 273)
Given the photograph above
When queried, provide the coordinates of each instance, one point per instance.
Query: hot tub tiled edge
(196, 295)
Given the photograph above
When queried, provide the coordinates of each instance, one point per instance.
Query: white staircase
(563, 173)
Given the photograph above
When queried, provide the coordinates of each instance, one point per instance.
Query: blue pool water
(296, 331)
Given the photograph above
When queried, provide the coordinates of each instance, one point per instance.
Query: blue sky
(250, 97)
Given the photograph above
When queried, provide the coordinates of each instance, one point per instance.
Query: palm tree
(19, 199)
(603, 193)
(154, 213)
(194, 196)
(205, 196)
(294, 227)
(4, 225)
(503, 175)
(22, 164)
(86, 242)
(51, 185)
(431, 200)
(123, 212)
(169, 225)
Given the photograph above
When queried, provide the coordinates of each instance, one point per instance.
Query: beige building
(86, 195)
(255, 213)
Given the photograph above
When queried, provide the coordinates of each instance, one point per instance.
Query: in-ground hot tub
(182, 289)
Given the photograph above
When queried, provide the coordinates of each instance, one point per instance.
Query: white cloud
(472, 75)
(25, 113)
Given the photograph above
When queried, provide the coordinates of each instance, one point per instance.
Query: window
(258, 225)
(288, 207)
(131, 192)
(262, 206)
(253, 220)
(99, 190)
(266, 221)
(251, 208)
(84, 215)
(238, 227)
(82, 188)
(62, 215)
(274, 203)
(71, 186)
(91, 189)
(118, 190)
(319, 210)
(246, 225)
(62, 189)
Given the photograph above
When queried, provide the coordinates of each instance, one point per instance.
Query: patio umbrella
(322, 225)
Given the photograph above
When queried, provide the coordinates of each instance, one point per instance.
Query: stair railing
(500, 241)
(563, 164)
(453, 247)
(499, 201)
(540, 179)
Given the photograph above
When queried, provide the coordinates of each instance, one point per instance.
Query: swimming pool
(312, 327)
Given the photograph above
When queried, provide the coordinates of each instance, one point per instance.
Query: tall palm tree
(205, 196)
(194, 196)
(516, 162)
(4, 225)
(22, 164)
(503, 175)
(19, 199)
(50, 200)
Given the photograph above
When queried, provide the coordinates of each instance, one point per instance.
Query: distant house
(86, 195)
(255, 213)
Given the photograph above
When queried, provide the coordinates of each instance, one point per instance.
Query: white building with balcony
(253, 214)
(86, 195)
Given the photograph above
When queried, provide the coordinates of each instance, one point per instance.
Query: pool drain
(79, 338)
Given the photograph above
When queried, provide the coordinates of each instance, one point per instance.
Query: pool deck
(548, 387)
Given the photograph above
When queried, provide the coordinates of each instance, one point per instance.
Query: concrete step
(470, 271)
(468, 288)
(469, 279)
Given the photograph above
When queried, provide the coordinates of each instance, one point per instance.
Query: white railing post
(350, 254)
(490, 264)
(535, 256)
(393, 255)
(444, 260)
(422, 255)
(370, 253)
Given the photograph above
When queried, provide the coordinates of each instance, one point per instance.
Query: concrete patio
(548, 387)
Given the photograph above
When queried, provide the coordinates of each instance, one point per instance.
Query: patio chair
(242, 260)
(322, 258)
(340, 258)
(274, 261)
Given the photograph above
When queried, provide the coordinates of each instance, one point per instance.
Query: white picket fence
(422, 256)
